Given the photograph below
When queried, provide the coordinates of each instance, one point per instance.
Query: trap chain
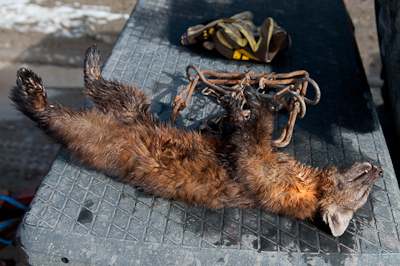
(283, 91)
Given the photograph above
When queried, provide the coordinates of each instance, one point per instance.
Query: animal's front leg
(234, 120)
(259, 125)
(255, 129)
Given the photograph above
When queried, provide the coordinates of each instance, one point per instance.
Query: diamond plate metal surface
(90, 218)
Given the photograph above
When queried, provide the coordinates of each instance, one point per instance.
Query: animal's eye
(365, 193)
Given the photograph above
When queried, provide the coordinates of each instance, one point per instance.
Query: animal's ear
(338, 220)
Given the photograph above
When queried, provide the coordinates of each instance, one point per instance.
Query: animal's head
(348, 190)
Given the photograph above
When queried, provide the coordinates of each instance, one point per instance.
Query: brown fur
(119, 137)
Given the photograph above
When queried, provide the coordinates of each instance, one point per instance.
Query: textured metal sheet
(87, 217)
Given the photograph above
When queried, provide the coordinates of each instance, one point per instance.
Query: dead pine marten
(119, 137)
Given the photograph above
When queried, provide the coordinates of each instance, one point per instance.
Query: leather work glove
(238, 38)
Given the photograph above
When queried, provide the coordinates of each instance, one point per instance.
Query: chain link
(284, 91)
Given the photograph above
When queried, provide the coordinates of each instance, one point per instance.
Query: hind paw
(29, 82)
(31, 87)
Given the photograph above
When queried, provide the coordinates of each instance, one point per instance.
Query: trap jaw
(285, 91)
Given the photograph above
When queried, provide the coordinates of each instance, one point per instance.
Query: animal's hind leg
(30, 96)
(93, 137)
(112, 96)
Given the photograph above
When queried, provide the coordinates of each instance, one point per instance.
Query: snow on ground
(61, 20)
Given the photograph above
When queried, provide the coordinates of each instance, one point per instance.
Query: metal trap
(282, 91)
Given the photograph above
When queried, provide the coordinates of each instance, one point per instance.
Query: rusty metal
(285, 91)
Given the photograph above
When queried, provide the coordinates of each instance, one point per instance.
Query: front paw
(252, 99)
(228, 102)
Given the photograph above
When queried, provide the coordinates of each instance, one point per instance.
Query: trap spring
(284, 91)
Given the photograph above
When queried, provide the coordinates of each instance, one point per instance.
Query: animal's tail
(93, 64)
(112, 96)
